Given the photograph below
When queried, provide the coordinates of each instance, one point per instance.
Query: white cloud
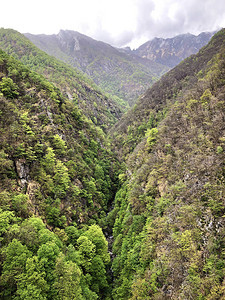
(118, 22)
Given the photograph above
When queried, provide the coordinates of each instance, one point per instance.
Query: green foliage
(165, 224)
(54, 164)
(168, 211)
(99, 282)
(14, 264)
(116, 73)
(73, 234)
(219, 149)
(61, 179)
(151, 137)
(68, 79)
(6, 217)
(87, 251)
(32, 283)
(59, 145)
(49, 160)
(8, 88)
(20, 205)
(96, 236)
(67, 282)
(205, 98)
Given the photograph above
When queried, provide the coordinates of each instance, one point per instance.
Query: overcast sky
(117, 22)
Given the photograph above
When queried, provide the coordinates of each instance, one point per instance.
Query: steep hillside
(125, 76)
(56, 167)
(101, 109)
(169, 213)
(158, 197)
(50, 148)
(154, 104)
(171, 51)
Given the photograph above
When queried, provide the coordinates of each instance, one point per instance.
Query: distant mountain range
(120, 74)
(124, 72)
(171, 51)
(98, 206)
(101, 109)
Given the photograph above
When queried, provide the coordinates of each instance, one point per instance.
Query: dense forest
(98, 206)
(104, 110)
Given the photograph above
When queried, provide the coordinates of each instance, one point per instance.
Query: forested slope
(56, 178)
(120, 74)
(160, 192)
(101, 109)
(169, 213)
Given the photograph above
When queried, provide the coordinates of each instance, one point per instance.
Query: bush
(8, 88)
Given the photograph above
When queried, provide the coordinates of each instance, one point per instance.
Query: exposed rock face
(119, 73)
(171, 51)
(22, 171)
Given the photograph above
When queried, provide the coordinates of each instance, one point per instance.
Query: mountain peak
(117, 72)
(170, 51)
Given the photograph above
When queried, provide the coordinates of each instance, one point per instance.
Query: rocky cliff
(172, 51)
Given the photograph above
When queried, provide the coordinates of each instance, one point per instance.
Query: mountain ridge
(99, 107)
(56, 183)
(170, 207)
(125, 76)
(171, 51)
(149, 193)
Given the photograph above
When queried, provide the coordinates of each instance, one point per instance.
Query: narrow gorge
(102, 201)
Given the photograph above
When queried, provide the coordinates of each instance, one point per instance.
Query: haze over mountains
(99, 205)
(125, 74)
(171, 51)
(115, 72)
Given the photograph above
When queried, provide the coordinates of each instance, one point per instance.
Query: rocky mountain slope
(154, 188)
(101, 109)
(125, 76)
(56, 178)
(171, 51)
(169, 213)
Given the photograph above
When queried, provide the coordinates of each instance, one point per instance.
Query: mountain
(171, 51)
(57, 180)
(169, 212)
(133, 213)
(126, 76)
(103, 110)
(42, 133)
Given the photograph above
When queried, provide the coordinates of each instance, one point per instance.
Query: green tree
(73, 234)
(86, 251)
(8, 88)
(20, 205)
(32, 284)
(67, 282)
(47, 255)
(15, 257)
(49, 160)
(59, 145)
(151, 135)
(96, 236)
(99, 281)
(5, 219)
(61, 179)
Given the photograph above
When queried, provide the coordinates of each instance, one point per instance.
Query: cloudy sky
(117, 22)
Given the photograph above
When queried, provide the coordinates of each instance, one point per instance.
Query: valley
(107, 192)
(124, 76)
